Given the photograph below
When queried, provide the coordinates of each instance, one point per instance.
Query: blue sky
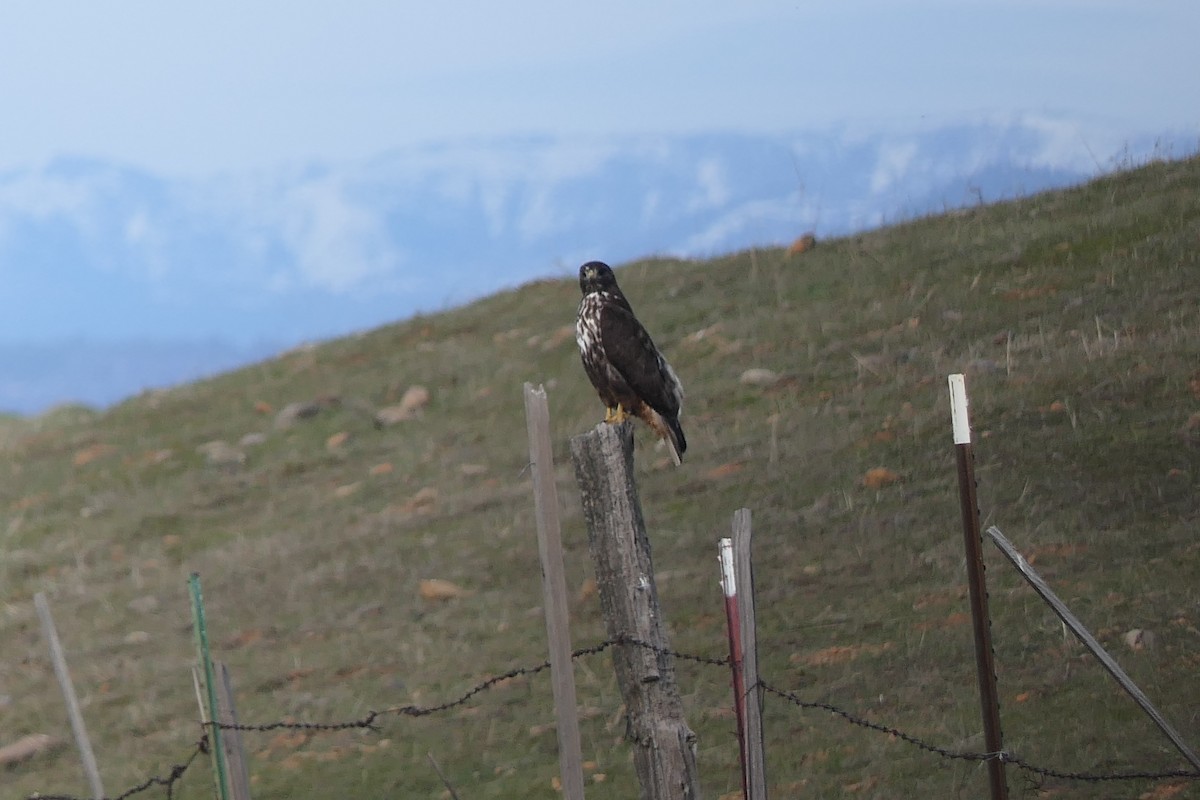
(197, 89)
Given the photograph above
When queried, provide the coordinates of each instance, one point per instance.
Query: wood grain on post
(235, 754)
(756, 762)
(554, 592)
(664, 747)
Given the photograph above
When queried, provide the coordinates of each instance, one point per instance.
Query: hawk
(629, 373)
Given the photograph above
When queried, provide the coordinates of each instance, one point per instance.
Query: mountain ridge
(98, 252)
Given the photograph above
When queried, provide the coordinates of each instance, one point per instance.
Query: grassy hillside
(1075, 314)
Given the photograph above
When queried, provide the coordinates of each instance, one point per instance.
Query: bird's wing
(632, 353)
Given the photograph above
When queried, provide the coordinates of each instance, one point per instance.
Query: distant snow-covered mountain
(93, 252)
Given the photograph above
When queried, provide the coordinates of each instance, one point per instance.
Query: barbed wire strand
(368, 722)
(174, 775)
(1004, 756)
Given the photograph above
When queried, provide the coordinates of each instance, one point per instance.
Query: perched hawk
(629, 373)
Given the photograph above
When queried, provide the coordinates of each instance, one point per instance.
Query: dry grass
(1075, 314)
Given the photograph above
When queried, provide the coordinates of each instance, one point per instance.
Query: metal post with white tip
(985, 664)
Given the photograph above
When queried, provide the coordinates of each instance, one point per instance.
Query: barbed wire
(368, 722)
(967, 755)
(173, 777)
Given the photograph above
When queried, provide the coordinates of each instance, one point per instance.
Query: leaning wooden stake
(756, 762)
(1110, 664)
(664, 748)
(68, 690)
(231, 738)
(985, 664)
(554, 592)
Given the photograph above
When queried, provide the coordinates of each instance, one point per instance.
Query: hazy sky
(190, 89)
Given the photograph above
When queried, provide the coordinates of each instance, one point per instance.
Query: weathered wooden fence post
(68, 689)
(756, 762)
(231, 738)
(554, 592)
(664, 747)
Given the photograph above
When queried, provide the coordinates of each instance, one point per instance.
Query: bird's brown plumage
(629, 373)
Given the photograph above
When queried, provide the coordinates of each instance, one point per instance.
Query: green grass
(1075, 314)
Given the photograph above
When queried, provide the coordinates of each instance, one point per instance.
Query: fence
(172, 776)
(751, 689)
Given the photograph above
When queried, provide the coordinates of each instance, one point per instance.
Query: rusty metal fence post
(985, 664)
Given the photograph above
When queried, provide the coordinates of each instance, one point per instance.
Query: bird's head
(596, 276)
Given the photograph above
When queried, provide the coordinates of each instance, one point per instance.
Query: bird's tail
(676, 440)
(669, 430)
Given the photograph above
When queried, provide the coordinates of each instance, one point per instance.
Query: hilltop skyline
(117, 280)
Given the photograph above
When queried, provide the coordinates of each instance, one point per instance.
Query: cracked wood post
(664, 747)
(756, 759)
(231, 738)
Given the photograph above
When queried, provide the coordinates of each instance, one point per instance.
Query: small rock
(1139, 639)
(878, 477)
(410, 406)
(137, 637)
(703, 333)
(26, 747)
(252, 440)
(345, 490)
(337, 440)
(415, 399)
(802, 245)
(390, 415)
(472, 470)
(293, 412)
(92, 453)
(220, 453)
(557, 339)
(758, 376)
(423, 501)
(725, 470)
(155, 457)
(438, 589)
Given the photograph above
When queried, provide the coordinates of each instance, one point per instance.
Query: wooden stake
(445, 781)
(664, 748)
(231, 738)
(1110, 664)
(554, 592)
(90, 768)
(743, 567)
